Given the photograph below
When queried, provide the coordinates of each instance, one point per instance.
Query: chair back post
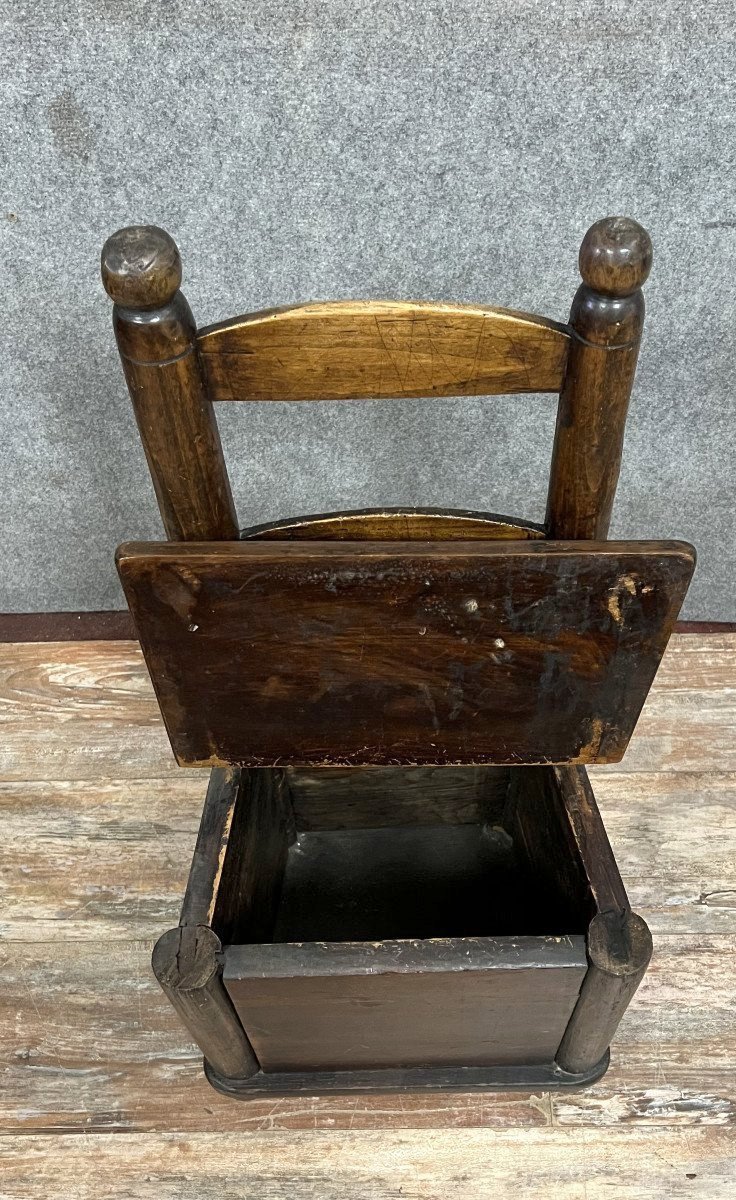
(606, 323)
(156, 337)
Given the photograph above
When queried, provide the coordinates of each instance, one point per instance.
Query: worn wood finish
(217, 835)
(606, 323)
(553, 818)
(382, 797)
(354, 349)
(185, 962)
(53, 698)
(554, 821)
(328, 653)
(407, 1081)
(396, 524)
(635, 1163)
(363, 349)
(360, 797)
(156, 337)
(240, 855)
(415, 947)
(117, 625)
(101, 1049)
(619, 947)
(454, 1002)
(94, 868)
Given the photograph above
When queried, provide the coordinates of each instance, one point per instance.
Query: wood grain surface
(378, 653)
(102, 1091)
(356, 349)
(396, 525)
(406, 1003)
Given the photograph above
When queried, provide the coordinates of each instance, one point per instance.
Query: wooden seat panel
(327, 653)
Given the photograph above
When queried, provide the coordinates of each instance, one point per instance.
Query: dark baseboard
(705, 627)
(117, 626)
(111, 626)
(523, 1077)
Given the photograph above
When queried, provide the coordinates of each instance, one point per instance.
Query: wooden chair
(401, 878)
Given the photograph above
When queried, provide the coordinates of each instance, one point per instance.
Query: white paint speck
(471, 606)
(193, 628)
(499, 643)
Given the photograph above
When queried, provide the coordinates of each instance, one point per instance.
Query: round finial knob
(616, 256)
(141, 267)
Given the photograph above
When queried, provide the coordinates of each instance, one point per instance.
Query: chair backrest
(377, 349)
(392, 637)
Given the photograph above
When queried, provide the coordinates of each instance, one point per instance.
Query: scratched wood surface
(330, 653)
(353, 349)
(98, 825)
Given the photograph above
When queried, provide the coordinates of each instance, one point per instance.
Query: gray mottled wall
(306, 149)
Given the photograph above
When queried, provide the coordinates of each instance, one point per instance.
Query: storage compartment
(417, 882)
(409, 947)
(398, 924)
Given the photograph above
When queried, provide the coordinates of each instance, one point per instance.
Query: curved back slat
(396, 525)
(374, 349)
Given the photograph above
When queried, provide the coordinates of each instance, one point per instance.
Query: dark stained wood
(606, 323)
(364, 945)
(397, 524)
(101, 1051)
(185, 962)
(554, 821)
(328, 653)
(552, 816)
(213, 849)
(240, 856)
(381, 797)
(408, 1081)
(453, 1002)
(156, 337)
(356, 349)
(316, 999)
(619, 948)
(53, 697)
(116, 625)
(104, 626)
(416, 881)
(588, 838)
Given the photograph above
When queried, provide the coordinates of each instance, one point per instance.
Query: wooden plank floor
(102, 1092)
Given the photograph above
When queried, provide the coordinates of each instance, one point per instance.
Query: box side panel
(468, 1002)
(559, 835)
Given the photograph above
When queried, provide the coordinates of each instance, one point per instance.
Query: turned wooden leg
(185, 962)
(619, 949)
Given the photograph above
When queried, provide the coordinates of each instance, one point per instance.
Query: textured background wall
(304, 149)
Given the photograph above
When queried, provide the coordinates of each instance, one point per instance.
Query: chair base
(523, 1077)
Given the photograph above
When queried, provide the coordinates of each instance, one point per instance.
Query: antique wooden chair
(401, 878)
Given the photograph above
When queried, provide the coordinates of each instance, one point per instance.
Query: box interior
(436, 881)
(466, 873)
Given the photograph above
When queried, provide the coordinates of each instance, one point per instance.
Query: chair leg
(619, 950)
(187, 965)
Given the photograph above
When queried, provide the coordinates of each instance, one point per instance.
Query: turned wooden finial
(615, 256)
(157, 339)
(606, 322)
(141, 267)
